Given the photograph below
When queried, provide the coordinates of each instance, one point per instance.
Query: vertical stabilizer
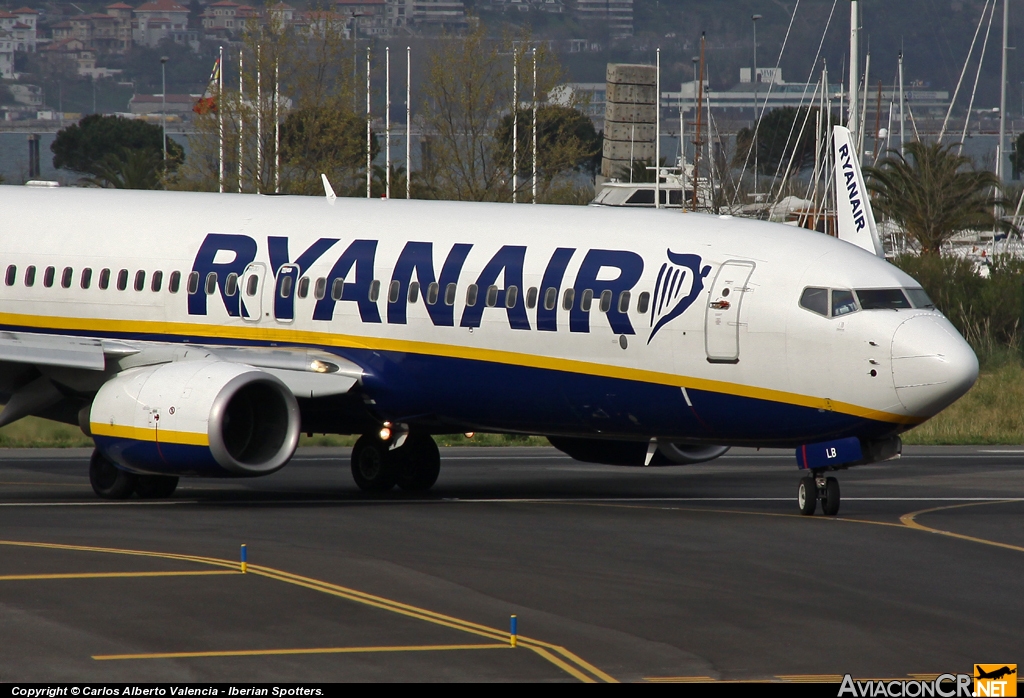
(853, 205)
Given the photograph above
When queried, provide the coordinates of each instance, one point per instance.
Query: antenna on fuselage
(328, 189)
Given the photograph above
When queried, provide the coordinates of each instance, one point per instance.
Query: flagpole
(387, 120)
(241, 119)
(369, 164)
(408, 122)
(277, 128)
(533, 199)
(515, 123)
(220, 121)
(259, 121)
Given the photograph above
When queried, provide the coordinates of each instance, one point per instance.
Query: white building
(6, 55)
(616, 15)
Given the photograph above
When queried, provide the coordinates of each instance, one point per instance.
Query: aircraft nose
(932, 365)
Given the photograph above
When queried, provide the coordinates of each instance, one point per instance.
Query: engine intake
(208, 417)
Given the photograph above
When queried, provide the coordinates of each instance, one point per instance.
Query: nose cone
(932, 365)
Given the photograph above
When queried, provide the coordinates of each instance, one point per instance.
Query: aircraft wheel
(807, 496)
(419, 463)
(109, 481)
(155, 486)
(830, 502)
(373, 465)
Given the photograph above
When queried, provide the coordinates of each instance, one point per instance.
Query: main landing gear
(812, 489)
(413, 466)
(110, 482)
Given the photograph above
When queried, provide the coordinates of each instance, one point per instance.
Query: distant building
(73, 51)
(152, 104)
(615, 15)
(6, 55)
(21, 27)
(369, 16)
(436, 13)
(158, 20)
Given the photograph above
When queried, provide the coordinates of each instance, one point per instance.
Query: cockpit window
(882, 299)
(919, 299)
(843, 303)
(815, 300)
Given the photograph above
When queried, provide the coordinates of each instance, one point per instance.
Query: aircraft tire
(830, 502)
(155, 486)
(420, 463)
(373, 465)
(107, 480)
(807, 496)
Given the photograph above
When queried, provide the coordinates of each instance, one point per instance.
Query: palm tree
(131, 169)
(933, 193)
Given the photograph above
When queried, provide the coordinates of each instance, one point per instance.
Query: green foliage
(84, 147)
(986, 311)
(783, 134)
(935, 193)
(566, 142)
(128, 169)
(641, 171)
(324, 140)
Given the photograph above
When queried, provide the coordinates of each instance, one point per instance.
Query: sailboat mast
(854, 116)
(902, 117)
(1000, 152)
(697, 135)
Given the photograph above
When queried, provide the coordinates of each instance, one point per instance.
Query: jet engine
(199, 418)
(635, 453)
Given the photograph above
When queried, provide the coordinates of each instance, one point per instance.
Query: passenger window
(211, 283)
(586, 299)
(140, 280)
(567, 298)
(320, 288)
(432, 292)
(230, 284)
(414, 291)
(174, 283)
(550, 298)
(624, 302)
(531, 297)
(843, 303)
(303, 287)
(158, 281)
(511, 296)
(86, 277)
(606, 301)
(104, 279)
(66, 276)
(492, 296)
(471, 294)
(449, 293)
(338, 289)
(12, 274)
(193, 283)
(122, 280)
(815, 300)
(286, 286)
(374, 290)
(882, 299)
(393, 291)
(643, 302)
(252, 285)
(48, 275)
(30, 275)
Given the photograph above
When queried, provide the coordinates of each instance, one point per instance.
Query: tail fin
(853, 205)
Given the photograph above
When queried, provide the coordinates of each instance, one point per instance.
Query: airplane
(199, 334)
(996, 674)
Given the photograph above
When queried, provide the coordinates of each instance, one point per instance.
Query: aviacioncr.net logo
(945, 686)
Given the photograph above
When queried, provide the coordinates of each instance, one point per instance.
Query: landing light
(385, 431)
(319, 366)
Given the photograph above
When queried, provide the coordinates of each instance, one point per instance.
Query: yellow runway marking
(909, 520)
(555, 654)
(301, 650)
(110, 575)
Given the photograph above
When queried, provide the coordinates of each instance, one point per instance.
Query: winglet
(853, 205)
(328, 189)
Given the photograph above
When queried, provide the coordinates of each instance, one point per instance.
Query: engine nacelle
(202, 418)
(634, 453)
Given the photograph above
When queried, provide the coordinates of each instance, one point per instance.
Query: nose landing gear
(816, 488)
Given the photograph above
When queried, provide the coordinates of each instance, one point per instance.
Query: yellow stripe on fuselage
(118, 431)
(256, 333)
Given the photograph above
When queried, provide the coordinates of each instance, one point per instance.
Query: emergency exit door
(722, 319)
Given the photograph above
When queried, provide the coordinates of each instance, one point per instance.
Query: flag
(205, 104)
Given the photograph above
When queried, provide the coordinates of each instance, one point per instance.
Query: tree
(128, 169)
(1017, 156)
(566, 143)
(321, 140)
(783, 134)
(933, 193)
(468, 86)
(82, 147)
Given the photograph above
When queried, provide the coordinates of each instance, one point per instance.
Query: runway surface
(689, 573)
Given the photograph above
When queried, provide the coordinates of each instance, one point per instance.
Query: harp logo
(680, 282)
(995, 680)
